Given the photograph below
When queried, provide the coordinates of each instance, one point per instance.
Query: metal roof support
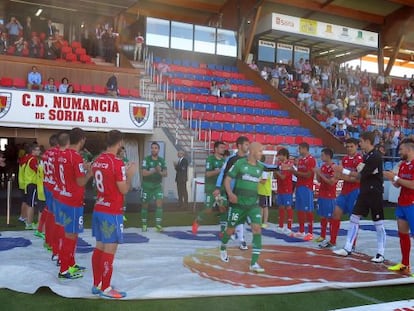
(394, 56)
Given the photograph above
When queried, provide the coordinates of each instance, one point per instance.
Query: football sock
(352, 232)
(240, 232)
(324, 224)
(309, 219)
(144, 215)
(335, 223)
(301, 219)
(405, 244)
(224, 240)
(381, 236)
(290, 217)
(96, 266)
(223, 221)
(107, 268)
(281, 217)
(66, 253)
(158, 216)
(257, 247)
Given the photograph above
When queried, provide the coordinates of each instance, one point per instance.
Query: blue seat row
(251, 128)
(205, 91)
(200, 77)
(236, 109)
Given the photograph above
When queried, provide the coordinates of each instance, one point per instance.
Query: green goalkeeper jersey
(246, 179)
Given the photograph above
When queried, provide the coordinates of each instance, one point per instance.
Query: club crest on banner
(5, 103)
(139, 113)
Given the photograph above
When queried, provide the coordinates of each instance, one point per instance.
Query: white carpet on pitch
(153, 267)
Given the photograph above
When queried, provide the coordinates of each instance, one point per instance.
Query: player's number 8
(99, 181)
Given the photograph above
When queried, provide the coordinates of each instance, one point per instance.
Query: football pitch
(331, 299)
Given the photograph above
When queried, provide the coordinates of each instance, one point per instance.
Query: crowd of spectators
(23, 40)
(343, 97)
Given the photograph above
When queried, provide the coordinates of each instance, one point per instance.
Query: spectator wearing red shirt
(327, 190)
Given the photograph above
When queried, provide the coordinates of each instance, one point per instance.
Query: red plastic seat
(123, 92)
(19, 83)
(86, 88)
(134, 93)
(99, 89)
(6, 82)
(70, 57)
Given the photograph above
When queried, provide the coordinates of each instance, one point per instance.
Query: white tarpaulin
(176, 264)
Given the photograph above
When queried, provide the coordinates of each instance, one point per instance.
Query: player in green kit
(214, 163)
(153, 170)
(243, 201)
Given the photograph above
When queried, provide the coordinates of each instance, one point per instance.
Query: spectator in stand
(264, 74)
(108, 43)
(96, 41)
(214, 88)
(253, 66)
(70, 89)
(34, 79)
(139, 43)
(275, 76)
(19, 46)
(63, 87)
(50, 50)
(388, 129)
(163, 68)
(225, 89)
(13, 27)
(34, 47)
(27, 29)
(325, 78)
(298, 69)
(50, 29)
(4, 43)
(352, 101)
(112, 86)
(303, 99)
(380, 82)
(289, 70)
(50, 86)
(306, 67)
(331, 122)
(306, 79)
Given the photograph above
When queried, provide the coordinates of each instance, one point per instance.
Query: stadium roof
(392, 18)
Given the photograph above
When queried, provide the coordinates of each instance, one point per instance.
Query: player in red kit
(284, 191)
(349, 193)
(48, 185)
(405, 208)
(113, 181)
(73, 174)
(304, 191)
(327, 191)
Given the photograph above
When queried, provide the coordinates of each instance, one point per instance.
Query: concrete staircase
(176, 129)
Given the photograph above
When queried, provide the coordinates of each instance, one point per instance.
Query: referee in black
(370, 175)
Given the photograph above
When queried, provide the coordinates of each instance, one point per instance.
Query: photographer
(13, 27)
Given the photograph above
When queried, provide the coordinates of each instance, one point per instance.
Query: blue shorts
(71, 218)
(406, 213)
(57, 211)
(284, 199)
(49, 200)
(326, 207)
(107, 228)
(304, 199)
(346, 202)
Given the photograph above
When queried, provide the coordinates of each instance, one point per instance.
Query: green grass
(44, 299)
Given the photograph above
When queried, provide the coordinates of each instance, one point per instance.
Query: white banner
(267, 43)
(308, 27)
(30, 109)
